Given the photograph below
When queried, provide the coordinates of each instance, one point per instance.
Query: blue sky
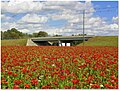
(109, 5)
(51, 17)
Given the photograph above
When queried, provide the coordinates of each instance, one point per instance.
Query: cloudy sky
(61, 17)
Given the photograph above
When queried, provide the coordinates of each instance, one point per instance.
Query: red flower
(88, 61)
(43, 87)
(34, 81)
(24, 70)
(74, 81)
(112, 81)
(72, 74)
(75, 61)
(95, 86)
(30, 74)
(112, 77)
(27, 86)
(55, 83)
(116, 80)
(95, 68)
(80, 66)
(106, 85)
(66, 87)
(111, 87)
(73, 87)
(62, 77)
(103, 59)
(116, 86)
(15, 75)
(9, 73)
(6, 83)
(17, 82)
(3, 80)
(102, 74)
(16, 87)
(46, 87)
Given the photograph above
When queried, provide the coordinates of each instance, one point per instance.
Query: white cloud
(33, 18)
(33, 22)
(114, 26)
(62, 16)
(5, 18)
(8, 25)
(115, 19)
(20, 7)
(25, 30)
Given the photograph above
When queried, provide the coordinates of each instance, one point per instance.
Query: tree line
(15, 34)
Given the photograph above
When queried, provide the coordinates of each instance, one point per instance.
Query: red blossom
(15, 75)
(96, 86)
(55, 83)
(6, 83)
(24, 70)
(116, 86)
(34, 81)
(112, 81)
(16, 87)
(43, 87)
(74, 81)
(73, 87)
(108, 86)
(59, 66)
(17, 82)
(62, 77)
(46, 87)
(10, 73)
(30, 74)
(102, 74)
(27, 86)
(112, 77)
(67, 87)
(88, 61)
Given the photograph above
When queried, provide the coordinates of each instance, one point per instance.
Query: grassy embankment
(15, 42)
(96, 41)
(102, 41)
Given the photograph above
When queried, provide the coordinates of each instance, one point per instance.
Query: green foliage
(74, 43)
(15, 34)
(14, 42)
(42, 34)
(35, 34)
(102, 41)
(12, 34)
(78, 34)
(1, 35)
(56, 35)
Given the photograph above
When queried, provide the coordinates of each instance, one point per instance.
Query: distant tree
(2, 35)
(12, 34)
(42, 34)
(7, 35)
(35, 34)
(81, 34)
(72, 34)
(15, 34)
(57, 35)
(30, 35)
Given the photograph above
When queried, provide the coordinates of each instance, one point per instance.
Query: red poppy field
(49, 67)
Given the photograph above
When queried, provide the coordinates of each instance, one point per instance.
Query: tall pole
(83, 26)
